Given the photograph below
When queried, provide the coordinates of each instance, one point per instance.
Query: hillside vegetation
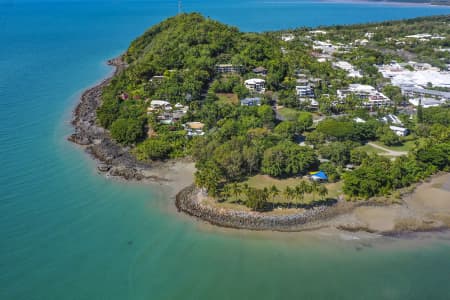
(176, 62)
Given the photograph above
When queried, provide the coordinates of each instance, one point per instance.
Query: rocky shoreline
(112, 159)
(189, 200)
(367, 216)
(116, 161)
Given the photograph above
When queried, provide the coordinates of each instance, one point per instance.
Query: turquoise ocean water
(68, 233)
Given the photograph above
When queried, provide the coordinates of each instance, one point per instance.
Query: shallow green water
(68, 233)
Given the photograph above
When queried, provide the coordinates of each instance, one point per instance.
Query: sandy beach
(115, 160)
(426, 209)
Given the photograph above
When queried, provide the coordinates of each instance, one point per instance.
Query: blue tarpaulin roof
(320, 175)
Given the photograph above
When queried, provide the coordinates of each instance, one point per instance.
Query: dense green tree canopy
(288, 159)
(177, 61)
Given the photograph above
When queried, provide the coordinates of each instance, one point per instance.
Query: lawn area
(369, 149)
(228, 98)
(262, 181)
(407, 146)
(289, 114)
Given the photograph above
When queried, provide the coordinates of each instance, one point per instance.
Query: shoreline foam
(114, 160)
(413, 214)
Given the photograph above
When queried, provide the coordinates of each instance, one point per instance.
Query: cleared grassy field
(228, 98)
(264, 181)
(289, 114)
(406, 146)
(369, 149)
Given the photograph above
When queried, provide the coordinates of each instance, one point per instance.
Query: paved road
(388, 152)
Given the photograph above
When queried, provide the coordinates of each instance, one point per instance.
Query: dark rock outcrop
(112, 158)
(187, 201)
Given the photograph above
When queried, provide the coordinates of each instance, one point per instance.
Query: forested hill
(239, 103)
(178, 41)
(185, 50)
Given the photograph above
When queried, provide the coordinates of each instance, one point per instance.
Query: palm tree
(298, 192)
(274, 192)
(323, 191)
(236, 190)
(289, 194)
(304, 188)
(264, 196)
(245, 189)
(226, 192)
(314, 189)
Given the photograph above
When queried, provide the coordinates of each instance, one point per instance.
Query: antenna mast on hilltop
(180, 7)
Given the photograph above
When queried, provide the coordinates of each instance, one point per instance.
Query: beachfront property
(256, 101)
(370, 96)
(228, 68)
(400, 131)
(194, 129)
(256, 85)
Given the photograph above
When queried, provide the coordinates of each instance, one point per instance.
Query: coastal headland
(424, 209)
(423, 206)
(113, 159)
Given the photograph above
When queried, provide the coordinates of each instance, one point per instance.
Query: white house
(256, 85)
(287, 37)
(304, 91)
(349, 68)
(311, 103)
(325, 47)
(315, 32)
(400, 131)
(194, 128)
(159, 104)
(359, 120)
(391, 119)
(370, 96)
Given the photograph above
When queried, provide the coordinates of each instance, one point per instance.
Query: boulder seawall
(112, 158)
(189, 201)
